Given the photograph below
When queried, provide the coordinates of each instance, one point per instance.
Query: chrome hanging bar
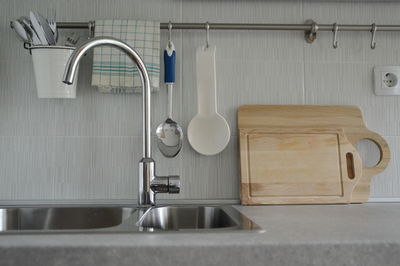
(239, 26)
(310, 28)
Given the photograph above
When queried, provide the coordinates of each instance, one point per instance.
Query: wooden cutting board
(299, 154)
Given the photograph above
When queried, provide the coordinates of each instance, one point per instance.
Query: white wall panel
(88, 148)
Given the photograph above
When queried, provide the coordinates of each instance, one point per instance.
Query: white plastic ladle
(208, 132)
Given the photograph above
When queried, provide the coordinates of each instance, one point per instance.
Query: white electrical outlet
(387, 80)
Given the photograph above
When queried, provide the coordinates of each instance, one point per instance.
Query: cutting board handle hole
(369, 151)
(350, 165)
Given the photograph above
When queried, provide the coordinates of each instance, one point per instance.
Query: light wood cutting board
(299, 154)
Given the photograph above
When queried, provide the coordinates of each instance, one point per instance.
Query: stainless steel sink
(123, 219)
(195, 218)
(62, 218)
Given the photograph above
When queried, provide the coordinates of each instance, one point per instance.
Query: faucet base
(146, 175)
(150, 184)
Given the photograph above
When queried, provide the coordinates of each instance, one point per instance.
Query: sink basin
(103, 219)
(195, 218)
(62, 218)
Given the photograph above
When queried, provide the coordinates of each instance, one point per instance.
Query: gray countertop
(360, 234)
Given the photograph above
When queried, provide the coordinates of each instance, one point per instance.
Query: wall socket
(387, 80)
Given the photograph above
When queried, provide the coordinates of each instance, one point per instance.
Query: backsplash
(87, 149)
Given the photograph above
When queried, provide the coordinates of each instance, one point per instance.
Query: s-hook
(373, 31)
(169, 34)
(311, 34)
(207, 34)
(91, 29)
(335, 32)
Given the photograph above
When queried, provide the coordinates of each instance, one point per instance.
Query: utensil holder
(49, 63)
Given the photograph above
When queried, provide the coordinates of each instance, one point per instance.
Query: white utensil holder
(49, 63)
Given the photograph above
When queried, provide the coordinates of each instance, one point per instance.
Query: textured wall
(88, 148)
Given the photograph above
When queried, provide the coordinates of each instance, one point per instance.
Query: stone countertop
(359, 234)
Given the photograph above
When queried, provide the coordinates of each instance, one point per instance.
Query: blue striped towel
(113, 71)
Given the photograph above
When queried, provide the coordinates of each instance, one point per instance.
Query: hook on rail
(169, 34)
(91, 29)
(373, 31)
(335, 32)
(207, 34)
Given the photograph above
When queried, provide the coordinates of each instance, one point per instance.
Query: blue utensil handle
(169, 65)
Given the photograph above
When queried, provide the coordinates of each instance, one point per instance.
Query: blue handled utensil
(169, 62)
(169, 133)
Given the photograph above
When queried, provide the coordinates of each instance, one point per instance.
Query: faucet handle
(174, 184)
(166, 184)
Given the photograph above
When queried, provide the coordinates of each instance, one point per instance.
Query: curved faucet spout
(149, 183)
(72, 66)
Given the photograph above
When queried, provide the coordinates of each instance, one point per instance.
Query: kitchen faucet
(149, 183)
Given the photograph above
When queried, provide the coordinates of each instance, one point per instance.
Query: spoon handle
(169, 93)
(206, 80)
(169, 72)
(169, 63)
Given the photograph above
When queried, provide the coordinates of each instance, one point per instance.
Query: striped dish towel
(113, 71)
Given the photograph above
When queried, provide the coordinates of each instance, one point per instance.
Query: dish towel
(113, 70)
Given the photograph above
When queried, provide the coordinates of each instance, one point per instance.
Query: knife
(48, 32)
(38, 29)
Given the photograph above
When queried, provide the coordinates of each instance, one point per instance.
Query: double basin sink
(123, 219)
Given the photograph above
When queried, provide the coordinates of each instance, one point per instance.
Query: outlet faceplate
(387, 80)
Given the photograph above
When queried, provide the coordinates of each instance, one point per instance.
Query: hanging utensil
(169, 133)
(208, 132)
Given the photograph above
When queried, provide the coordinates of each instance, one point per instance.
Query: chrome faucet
(149, 183)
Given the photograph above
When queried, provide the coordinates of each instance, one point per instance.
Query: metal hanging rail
(310, 28)
(239, 26)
